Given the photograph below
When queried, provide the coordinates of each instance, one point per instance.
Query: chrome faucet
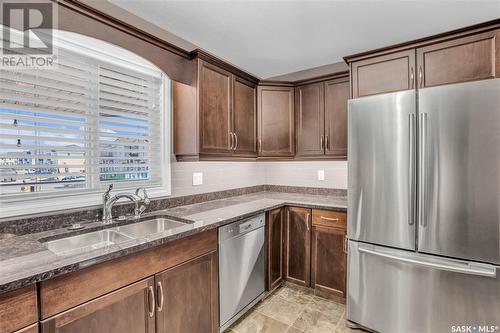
(109, 201)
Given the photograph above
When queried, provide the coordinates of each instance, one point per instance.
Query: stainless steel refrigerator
(424, 209)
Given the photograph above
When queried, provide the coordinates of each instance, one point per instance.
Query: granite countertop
(25, 259)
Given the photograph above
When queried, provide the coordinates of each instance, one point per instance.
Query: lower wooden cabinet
(298, 245)
(127, 310)
(274, 235)
(187, 298)
(329, 260)
(30, 329)
(18, 309)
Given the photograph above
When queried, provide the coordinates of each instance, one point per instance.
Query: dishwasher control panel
(241, 227)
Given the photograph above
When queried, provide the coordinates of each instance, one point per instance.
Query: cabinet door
(383, 74)
(187, 299)
(30, 329)
(276, 121)
(329, 260)
(336, 96)
(459, 60)
(310, 119)
(274, 248)
(128, 310)
(215, 109)
(244, 118)
(18, 308)
(298, 245)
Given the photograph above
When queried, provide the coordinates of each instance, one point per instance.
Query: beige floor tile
(280, 309)
(292, 329)
(259, 323)
(315, 322)
(295, 295)
(332, 309)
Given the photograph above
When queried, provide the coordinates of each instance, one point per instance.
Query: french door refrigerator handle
(470, 268)
(411, 190)
(422, 164)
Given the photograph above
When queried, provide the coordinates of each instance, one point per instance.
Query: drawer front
(329, 218)
(18, 309)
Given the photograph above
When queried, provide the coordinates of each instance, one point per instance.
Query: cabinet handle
(236, 141)
(160, 292)
(329, 218)
(307, 221)
(151, 302)
(327, 143)
(230, 140)
(412, 78)
(259, 143)
(322, 142)
(420, 76)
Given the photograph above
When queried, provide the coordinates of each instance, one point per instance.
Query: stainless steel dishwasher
(241, 268)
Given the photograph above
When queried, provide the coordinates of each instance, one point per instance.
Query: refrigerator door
(401, 291)
(381, 169)
(459, 194)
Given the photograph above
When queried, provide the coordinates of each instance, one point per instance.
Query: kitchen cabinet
(30, 329)
(127, 310)
(215, 117)
(383, 74)
(187, 297)
(336, 96)
(18, 309)
(215, 109)
(244, 118)
(298, 245)
(275, 242)
(329, 260)
(310, 119)
(321, 118)
(463, 59)
(276, 132)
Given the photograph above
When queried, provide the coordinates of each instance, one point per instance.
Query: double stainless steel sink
(112, 236)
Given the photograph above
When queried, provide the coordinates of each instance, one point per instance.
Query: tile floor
(293, 309)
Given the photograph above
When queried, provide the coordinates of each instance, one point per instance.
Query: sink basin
(146, 228)
(86, 242)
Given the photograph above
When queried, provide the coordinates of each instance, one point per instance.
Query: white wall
(219, 176)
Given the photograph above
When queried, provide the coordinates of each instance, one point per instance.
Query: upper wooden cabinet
(383, 74)
(216, 117)
(464, 59)
(321, 118)
(215, 109)
(276, 121)
(458, 56)
(310, 119)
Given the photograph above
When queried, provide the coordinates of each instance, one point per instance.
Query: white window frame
(53, 202)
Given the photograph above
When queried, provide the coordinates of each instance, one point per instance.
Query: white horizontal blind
(79, 127)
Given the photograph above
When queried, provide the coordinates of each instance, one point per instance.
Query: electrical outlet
(321, 174)
(197, 178)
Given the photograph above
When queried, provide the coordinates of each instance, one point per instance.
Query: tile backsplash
(218, 176)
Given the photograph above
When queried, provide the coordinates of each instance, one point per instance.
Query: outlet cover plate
(197, 178)
(321, 174)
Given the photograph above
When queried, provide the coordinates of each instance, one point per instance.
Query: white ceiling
(269, 38)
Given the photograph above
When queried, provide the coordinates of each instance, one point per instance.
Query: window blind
(79, 127)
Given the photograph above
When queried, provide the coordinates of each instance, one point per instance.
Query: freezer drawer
(460, 171)
(401, 291)
(381, 163)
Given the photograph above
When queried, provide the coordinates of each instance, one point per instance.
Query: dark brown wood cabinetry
(321, 118)
(298, 245)
(274, 235)
(186, 297)
(18, 309)
(128, 310)
(215, 109)
(383, 74)
(215, 118)
(455, 57)
(276, 122)
(310, 119)
(463, 59)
